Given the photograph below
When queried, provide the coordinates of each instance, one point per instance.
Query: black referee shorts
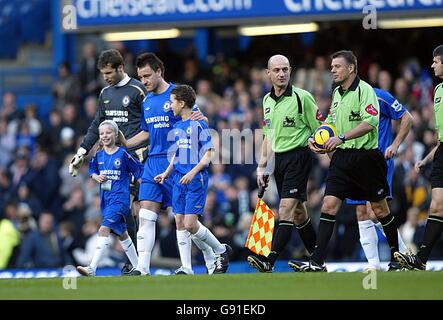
(357, 174)
(291, 173)
(437, 168)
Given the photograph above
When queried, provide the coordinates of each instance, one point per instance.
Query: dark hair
(184, 93)
(438, 52)
(110, 57)
(149, 58)
(349, 56)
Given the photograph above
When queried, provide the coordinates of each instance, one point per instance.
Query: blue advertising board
(125, 12)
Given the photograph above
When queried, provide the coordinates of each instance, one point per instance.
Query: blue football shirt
(158, 120)
(117, 168)
(192, 140)
(390, 109)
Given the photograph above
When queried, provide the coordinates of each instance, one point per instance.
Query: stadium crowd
(50, 219)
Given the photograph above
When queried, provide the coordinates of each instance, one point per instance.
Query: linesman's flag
(262, 228)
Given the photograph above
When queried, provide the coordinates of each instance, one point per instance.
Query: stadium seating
(22, 22)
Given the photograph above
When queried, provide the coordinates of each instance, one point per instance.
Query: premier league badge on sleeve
(126, 101)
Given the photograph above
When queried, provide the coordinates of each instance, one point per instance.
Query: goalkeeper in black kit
(121, 101)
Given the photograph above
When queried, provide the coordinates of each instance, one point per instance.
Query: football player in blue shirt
(111, 167)
(188, 165)
(390, 109)
(157, 121)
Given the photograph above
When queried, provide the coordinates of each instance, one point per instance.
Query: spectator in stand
(90, 108)
(9, 237)
(7, 144)
(44, 172)
(20, 170)
(66, 89)
(26, 196)
(385, 80)
(43, 248)
(32, 120)
(74, 208)
(88, 73)
(9, 109)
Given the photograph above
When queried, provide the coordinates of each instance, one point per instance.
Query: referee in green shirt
(290, 117)
(434, 225)
(358, 169)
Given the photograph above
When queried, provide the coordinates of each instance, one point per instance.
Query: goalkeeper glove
(77, 161)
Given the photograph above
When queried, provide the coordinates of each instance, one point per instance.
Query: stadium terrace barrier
(235, 267)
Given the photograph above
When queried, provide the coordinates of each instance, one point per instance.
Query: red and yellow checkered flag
(262, 228)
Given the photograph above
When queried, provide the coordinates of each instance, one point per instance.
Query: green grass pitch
(281, 286)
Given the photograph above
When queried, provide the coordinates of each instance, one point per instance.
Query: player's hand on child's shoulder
(197, 115)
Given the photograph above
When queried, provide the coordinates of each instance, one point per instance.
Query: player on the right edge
(434, 226)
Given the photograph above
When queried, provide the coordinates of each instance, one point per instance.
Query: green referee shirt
(290, 119)
(358, 103)
(438, 110)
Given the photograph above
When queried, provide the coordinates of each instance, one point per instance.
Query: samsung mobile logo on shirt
(111, 174)
(159, 121)
(184, 143)
(117, 115)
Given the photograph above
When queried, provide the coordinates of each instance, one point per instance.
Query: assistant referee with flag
(290, 117)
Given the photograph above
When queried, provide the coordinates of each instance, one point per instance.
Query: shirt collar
(123, 81)
(353, 86)
(288, 92)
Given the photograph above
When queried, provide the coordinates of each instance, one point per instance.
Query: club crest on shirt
(188, 131)
(167, 106)
(117, 163)
(126, 101)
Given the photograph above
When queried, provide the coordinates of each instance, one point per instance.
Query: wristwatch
(342, 137)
